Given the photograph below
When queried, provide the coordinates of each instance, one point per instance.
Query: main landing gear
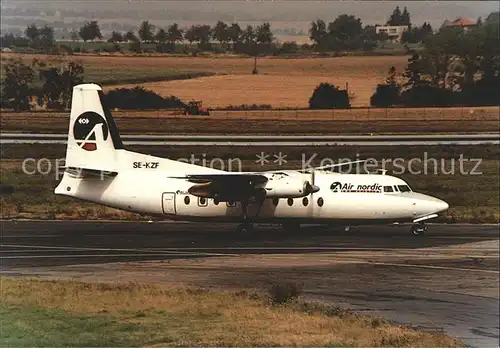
(418, 229)
(247, 225)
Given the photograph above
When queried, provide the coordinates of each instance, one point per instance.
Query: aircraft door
(168, 203)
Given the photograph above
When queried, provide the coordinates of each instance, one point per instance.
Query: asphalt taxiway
(446, 280)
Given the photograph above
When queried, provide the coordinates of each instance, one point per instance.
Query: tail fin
(93, 137)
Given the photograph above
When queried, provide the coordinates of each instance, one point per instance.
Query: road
(269, 140)
(447, 280)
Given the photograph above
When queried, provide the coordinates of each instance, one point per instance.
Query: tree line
(456, 67)
(346, 32)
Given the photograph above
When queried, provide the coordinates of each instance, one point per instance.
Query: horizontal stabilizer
(83, 172)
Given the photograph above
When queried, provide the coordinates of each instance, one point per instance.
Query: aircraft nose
(441, 206)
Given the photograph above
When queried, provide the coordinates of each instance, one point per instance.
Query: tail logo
(85, 128)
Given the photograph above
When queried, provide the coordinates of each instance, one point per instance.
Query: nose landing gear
(418, 229)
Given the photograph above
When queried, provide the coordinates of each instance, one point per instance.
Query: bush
(249, 107)
(281, 293)
(426, 95)
(140, 98)
(327, 96)
(385, 95)
(289, 47)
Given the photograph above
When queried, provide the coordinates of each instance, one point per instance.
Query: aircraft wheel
(418, 230)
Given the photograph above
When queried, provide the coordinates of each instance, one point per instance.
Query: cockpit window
(404, 188)
(388, 189)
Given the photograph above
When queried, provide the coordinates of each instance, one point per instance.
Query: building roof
(459, 22)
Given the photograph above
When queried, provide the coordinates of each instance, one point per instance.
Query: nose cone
(441, 206)
(425, 204)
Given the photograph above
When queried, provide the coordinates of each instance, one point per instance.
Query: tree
(414, 72)
(263, 38)
(289, 47)
(58, 82)
(161, 37)
(318, 34)
(221, 33)
(328, 96)
(493, 17)
(32, 32)
(191, 34)
(391, 76)
(17, 88)
(387, 94)
(46, 36)
(8, 40)
(116, 37)
(146, 31)
(417, 34)
(405, 18)
(130, 37)
(200, 34)
(90, 31)
(204, 34)
(370, 38)
(263, 34)
(344, 32)
(174, 34)
(396, 17)
(234, 33)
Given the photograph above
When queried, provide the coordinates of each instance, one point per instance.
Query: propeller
(310, 187)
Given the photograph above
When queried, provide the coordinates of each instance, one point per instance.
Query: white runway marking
(94, 255)
(425, 266)
(142, 250)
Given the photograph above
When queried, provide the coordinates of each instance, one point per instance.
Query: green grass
(27, 326)
(114, 76)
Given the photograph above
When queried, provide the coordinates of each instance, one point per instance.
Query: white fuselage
(145, 185)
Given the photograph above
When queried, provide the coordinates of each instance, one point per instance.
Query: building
(460, 22)
(394, 32)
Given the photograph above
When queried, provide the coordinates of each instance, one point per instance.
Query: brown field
(279, 91)
(281, 82)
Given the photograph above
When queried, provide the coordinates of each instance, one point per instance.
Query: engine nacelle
(287, 187)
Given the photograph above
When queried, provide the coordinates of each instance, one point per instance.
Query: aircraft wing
(335, 165)
(226, 186)
(226, 178)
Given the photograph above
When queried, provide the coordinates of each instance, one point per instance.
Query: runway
(447, 280)
(271, 140)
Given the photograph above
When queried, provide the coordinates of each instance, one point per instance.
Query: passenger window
(202, 201)
(388, 189)
(276, 200)
(305, 201)
(320, 202)
(186, 200)
(290, 201)
(404, 188)
(231, 203)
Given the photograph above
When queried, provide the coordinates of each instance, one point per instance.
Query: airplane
(99, 169)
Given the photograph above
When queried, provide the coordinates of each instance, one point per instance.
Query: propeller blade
(309, 188)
